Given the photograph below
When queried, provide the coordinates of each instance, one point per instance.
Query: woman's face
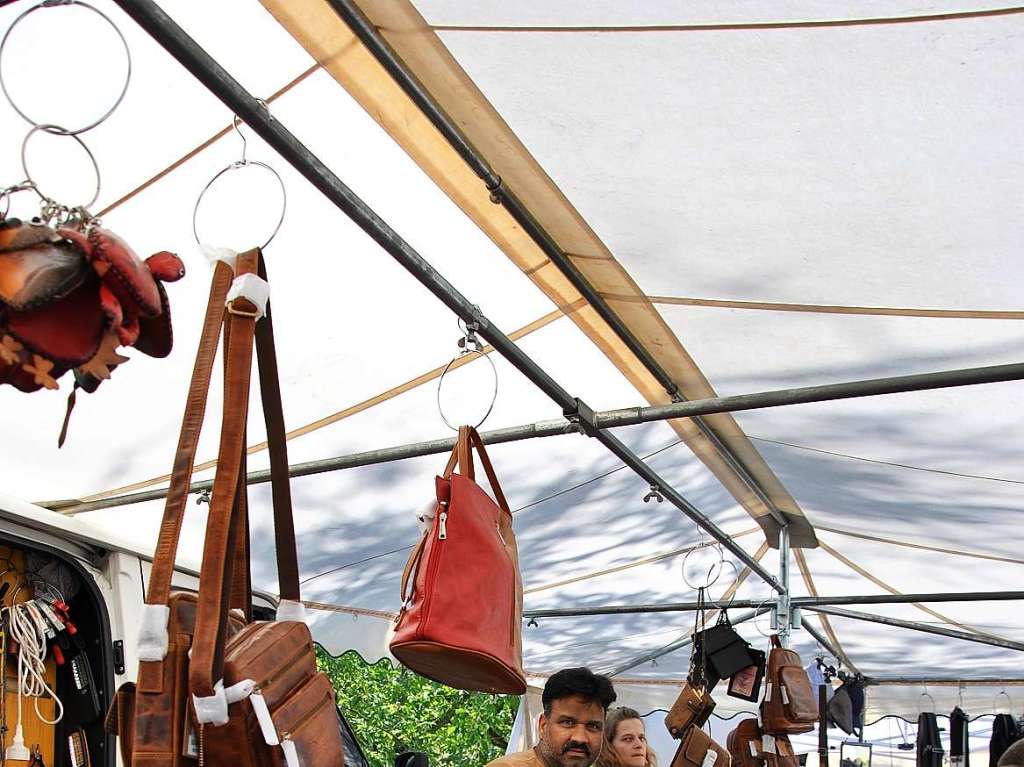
(630, 743)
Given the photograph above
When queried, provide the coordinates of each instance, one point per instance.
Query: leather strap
(462, 458)
(270, 393)
(159, 589)
(221, 529)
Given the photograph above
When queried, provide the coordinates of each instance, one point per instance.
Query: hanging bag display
(744, 744)
(790, 704)
(461, 591)
(929, 741)
(692, 708)
(745, 684)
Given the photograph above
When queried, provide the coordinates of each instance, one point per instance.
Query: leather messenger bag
(691, 709)
(697, 749)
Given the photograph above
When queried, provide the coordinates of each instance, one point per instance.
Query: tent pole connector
(582, 415)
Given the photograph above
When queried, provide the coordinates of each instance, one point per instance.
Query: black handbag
(726, 651)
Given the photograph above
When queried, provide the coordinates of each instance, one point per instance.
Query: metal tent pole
(611, 419)
(941, 681)
(808, 602)
(167, 33)
(501, 194)
(923, 627)
(783, 613)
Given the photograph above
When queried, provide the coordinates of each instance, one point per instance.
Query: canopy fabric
(771, 207)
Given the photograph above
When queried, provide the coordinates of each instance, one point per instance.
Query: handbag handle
(462, 458)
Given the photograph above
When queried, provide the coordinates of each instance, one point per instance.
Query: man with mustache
(576, 701)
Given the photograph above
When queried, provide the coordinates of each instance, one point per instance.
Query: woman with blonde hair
(625, 741)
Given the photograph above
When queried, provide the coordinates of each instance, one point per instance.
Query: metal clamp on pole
(583, 417)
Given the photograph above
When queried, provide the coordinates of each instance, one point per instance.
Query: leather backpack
(462, 597)
(698, 749)
(790, 704)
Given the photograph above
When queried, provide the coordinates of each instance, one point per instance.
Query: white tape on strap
(213, 709)
(153, 641)
(259, 707)
(252, 288)
(290, 610)
(215, 253)
(291, 756)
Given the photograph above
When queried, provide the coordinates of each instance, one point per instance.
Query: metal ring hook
(30, 183)
(920, 703)
(48, 126)
(236, 121)
(1009, 701)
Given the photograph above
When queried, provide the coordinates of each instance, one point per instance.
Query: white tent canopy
(766, 205)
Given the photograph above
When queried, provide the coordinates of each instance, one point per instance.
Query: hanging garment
(929, 743)
(959, 747)
(1004, 733)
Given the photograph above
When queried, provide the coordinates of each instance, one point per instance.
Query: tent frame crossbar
(795, 602)
(609, 419)
(501, 194)
(162, 28)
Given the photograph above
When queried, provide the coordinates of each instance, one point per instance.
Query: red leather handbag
(460, 625)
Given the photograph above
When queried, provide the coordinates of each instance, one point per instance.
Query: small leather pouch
(692, 708)
(746, 683)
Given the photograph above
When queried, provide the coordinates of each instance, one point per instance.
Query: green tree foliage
(394, 710)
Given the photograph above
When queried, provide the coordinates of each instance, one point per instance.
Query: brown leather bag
(691, 709)
(790, 704)
(782, 755)
(150, 717)
(697, 749)
(745, 745)
(257, 697)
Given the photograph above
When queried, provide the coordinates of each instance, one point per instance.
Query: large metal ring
(236, 166)
(440, 382)
(58, 132)
(714, 572)
(757, 616)
(50, 127)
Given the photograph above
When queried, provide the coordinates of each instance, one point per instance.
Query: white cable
(27, 627)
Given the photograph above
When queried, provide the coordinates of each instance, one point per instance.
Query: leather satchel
(697, 749)
(790, 704)
(692, 708)
(461, 590)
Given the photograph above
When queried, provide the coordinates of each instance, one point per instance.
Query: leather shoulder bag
(461, 590)
(697, 749)
(790, 704)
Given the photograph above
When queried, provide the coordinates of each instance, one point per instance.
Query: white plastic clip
(290, 610)
(153, 641)
(710, 758)
(213, 709)
(252, 288)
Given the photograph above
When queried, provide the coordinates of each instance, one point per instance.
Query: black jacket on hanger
(929, 744)
(959, 747)
(1004, 733)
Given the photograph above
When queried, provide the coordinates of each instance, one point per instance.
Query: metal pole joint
(582, 416)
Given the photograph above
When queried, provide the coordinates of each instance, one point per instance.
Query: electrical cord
(27, 627)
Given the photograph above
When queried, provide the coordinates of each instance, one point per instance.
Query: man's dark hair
(582, 682)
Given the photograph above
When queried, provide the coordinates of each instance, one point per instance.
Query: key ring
(469, 344)
(714, 572)
(237, 164)
(50, 208)
(50, 127)
(9, 192)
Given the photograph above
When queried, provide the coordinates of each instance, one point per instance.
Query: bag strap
(159, 588)
(226, 528)
(462, 458)
(277, 445)
(222, 528)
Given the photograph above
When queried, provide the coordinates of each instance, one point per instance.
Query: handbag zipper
(432, 565)
(287, 735)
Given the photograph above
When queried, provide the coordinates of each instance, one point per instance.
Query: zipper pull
(442, 526)
(259, 707)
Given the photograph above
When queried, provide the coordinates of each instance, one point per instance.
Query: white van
(52, 557)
